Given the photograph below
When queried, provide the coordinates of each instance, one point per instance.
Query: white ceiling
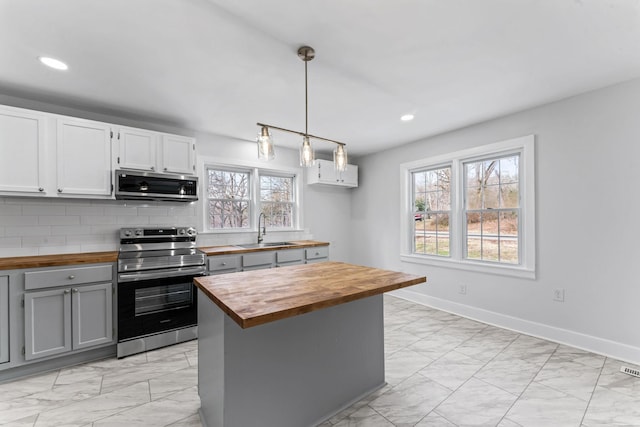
(222, 65)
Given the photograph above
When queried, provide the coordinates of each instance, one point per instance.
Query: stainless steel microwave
(132, 185)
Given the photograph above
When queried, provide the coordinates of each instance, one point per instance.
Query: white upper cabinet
(155, 152)
(178, 154)
(22, 151)
(138, 149)
(83, 157)
(324, 172)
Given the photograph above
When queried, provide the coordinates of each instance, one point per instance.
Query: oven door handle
(184, 271)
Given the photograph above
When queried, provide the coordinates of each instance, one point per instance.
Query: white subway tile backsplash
(95, 220)
(85, 210)
(33, 226)
(39, 241)
(11, 252)
(44, 210)
(59, 220)
(14, 220)
(41, 230)
(161, 211)
(120, 211)
(70, 230)
(10, 242)
(10, 210)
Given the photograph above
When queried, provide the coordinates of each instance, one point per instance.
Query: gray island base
(290, 346)
(293, 372)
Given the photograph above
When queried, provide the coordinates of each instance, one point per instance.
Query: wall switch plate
(558, 295)
(462, 290)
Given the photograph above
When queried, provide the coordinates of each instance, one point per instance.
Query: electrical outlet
(558, 295)
(462, 290)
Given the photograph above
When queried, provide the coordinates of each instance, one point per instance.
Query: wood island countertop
(253, 298)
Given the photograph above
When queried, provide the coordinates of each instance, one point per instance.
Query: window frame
(436, 212)
(524, 146)
(255, 170)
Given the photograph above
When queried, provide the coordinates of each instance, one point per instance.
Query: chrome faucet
(264, 227)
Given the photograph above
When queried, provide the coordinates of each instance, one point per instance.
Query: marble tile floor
(441, 370)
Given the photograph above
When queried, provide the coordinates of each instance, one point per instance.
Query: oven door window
(157, 299)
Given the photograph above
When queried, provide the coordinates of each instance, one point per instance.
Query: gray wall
(587, 151)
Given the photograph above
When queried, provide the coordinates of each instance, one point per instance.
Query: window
(472, 209)
(236, 195)
(276, 200)
(491, 209)
(228, 199)
(431, 211)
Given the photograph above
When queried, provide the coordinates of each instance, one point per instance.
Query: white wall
(35, 226)
(588, 232)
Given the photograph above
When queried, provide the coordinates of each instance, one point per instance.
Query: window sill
(501, 270)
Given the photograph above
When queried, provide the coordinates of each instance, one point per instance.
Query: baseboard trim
(604, 347)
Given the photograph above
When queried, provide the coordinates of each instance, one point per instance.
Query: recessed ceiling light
(53, 63)
(407, 117)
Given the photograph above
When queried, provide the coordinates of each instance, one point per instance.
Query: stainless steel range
(157, 300)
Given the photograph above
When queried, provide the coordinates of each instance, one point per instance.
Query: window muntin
(492, 209)
(277, 200)
(228, 199)
(431, 211)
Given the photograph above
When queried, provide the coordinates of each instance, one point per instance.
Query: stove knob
(191, 231)
(138, 233)
(181, 231)
(127, 233)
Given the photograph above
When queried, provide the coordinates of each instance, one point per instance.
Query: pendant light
(307, 155)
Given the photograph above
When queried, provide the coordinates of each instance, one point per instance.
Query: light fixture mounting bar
(301, 134)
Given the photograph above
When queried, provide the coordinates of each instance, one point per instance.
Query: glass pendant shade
(340, 158)
(306, 153)
(265, 145)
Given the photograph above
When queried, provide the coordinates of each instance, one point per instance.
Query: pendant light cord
(306, 99)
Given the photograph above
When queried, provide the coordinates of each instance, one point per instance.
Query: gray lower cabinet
(66, 319)
(4, 319)
(222, 264)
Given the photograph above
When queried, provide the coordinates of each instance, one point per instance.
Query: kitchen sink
(266, 245)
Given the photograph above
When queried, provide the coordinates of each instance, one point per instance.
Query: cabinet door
(22, 151)
(178, 154)
(326, 172)
(4, 319)
(92, 315)
(349, 177)
(84, 157)
(47, 322)
(137, 149)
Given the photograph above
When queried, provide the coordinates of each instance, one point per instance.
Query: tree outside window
(229, 200)
(492, 209)
(432, 211)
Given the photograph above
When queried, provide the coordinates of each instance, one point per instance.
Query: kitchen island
(290, 346)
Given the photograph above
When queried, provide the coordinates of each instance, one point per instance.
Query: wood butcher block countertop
(253, 298)
(37, 261)
(232, 249)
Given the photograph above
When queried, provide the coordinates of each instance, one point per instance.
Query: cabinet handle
(75, 290)
(317, 253)
(71, 277)
(166, 169)
(59, 190)
(153, 168)
(224, 263)
(66, 291)
(41, 189)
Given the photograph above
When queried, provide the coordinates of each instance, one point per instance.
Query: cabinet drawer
(67, 276)
(258, 259)
(290, 255)
(217, 263)
(317, 252)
